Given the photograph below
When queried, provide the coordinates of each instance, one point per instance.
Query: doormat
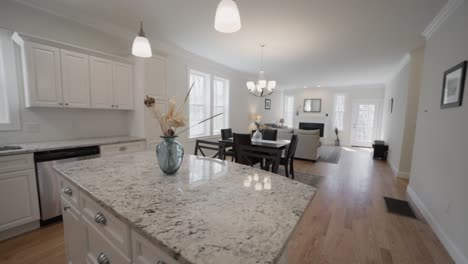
(399, 207)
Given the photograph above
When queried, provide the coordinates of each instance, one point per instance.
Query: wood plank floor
(345, 223)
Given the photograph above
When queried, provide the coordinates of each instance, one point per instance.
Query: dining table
(274, 144)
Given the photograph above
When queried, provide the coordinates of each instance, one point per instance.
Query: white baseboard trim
(452, 249)
(403, 174)
(15, 231)
(394, 169)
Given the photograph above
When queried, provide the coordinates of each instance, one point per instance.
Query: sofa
(308, 146)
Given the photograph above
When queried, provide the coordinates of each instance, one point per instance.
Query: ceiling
(309, 42)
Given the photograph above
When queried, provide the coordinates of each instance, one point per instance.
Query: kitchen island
(123, 209)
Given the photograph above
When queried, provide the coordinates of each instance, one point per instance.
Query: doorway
(365, 122)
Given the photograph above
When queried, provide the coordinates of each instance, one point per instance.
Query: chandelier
(263, 87)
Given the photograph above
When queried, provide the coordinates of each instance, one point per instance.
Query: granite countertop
(211, 211)
(74, 143)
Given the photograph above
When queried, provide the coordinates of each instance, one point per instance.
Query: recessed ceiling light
(318, 85)
(305, 86)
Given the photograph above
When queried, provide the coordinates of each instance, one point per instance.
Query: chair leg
(292, 168)
(286, 169)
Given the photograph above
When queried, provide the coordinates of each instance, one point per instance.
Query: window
(339, 111)
(208, 99)
(220, 104)
(200, 108)
(9, 116)
(288, 111)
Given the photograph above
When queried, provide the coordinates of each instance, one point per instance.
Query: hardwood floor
(345, 223)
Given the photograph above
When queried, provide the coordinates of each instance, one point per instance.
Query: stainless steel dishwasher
(47, 178)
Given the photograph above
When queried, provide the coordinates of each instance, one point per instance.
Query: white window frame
(335, 111)
(208, 105)
(8, 82)
(226, 103)
(286, 111)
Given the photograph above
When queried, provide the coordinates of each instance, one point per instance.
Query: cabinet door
(44, 82)
(101, 81)
(18, 199)
(75, 79)
(73, 231)
(123, 86)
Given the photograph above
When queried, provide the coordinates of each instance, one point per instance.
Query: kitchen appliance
(47, 178)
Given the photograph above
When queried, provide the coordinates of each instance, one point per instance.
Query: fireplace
(312, 126)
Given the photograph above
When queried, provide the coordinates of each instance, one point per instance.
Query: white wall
(58, 124)
(399, 125)
(327, 94)
(439, 179)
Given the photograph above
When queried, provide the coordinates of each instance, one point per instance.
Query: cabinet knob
(60, 103)
(66, 103)
(68, 191)
(117, 106)
(113, 105)
(123, 148)
(100, 219)
(103, 259)
(66, 208)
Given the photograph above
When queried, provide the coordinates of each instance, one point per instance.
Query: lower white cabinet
(73, 230)
(93, 235)
(18, 194)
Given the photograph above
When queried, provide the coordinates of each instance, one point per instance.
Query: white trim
(452, 249)
(444, 13)
(393, 167)
(403, 174)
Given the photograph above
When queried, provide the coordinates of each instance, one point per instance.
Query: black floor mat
(399, 207)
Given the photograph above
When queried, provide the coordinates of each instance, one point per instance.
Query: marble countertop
(54, 145)
(211, 211)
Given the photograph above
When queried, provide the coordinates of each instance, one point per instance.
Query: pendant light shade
(227, 18)
(141, 46)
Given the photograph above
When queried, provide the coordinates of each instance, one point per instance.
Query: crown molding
(446, 11)
(405, 60)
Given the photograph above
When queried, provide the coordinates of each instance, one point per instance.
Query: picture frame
(267, 104)
(313, 105)
(453, 86)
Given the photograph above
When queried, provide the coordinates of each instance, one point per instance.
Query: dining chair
(226, 134)
(271, 156)
(270, 134)
(288, 160)
(244, 140)
(218, 147)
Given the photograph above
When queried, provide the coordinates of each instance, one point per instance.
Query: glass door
(364, 122)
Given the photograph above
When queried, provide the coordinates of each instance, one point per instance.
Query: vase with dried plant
(169, 152)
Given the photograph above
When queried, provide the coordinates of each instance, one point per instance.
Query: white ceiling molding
(446, 11)
(404, 61)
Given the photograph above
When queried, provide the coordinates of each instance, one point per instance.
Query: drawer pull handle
(103, 259)
(68, 191)
(100, 219)
(123, 148)
(66, 208)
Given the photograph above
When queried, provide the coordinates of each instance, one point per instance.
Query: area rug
(309, 179)
(330, 154)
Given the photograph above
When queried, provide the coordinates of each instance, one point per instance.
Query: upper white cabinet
(102, 83)
(75, 79)
(123, 83)
(62, 75)
(42, 75)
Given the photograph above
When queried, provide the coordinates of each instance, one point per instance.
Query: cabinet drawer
(145, 252)
(16, 163)
(97, 246)
(69, 192)
(117, 232)
(124, 148)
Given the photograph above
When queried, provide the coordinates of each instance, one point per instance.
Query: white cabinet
(145, 252)
(102, 84)
(75, 79)
(62, 75)
(123, 84)
(73, 231)
(42, 75)
(18, 193)
(111, 84)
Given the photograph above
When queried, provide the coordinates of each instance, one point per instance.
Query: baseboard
(452, 249)
(394, 169)
(403, 175)
(396, 172)
(15, 231)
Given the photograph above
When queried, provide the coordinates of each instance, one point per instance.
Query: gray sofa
(308, 146)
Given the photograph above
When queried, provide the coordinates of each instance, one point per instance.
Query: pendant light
(227, 17)
(141, 46)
